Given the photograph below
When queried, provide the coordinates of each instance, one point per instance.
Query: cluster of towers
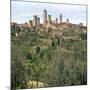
(46, 19)
(35, 21)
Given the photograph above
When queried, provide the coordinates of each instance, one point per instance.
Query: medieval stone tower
(44, 16)
(60, 18)
(34, 20)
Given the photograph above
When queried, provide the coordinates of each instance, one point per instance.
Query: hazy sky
(24, 11)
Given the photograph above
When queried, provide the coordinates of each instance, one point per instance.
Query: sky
(22, 12)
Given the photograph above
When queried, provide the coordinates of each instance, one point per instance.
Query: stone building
(67, 21)
(56, 20)
(38, 21)
(60, 18)
(34, 20)
(49, 19)
(30, 23)
(44, 16)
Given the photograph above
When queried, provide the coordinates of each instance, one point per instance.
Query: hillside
(53, 60)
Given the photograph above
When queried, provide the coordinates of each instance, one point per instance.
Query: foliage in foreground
(53, 60)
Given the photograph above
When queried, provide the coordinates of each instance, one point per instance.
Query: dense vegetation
(38, 56)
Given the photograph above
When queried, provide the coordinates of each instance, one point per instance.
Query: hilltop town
(48, 54)
(56, 27)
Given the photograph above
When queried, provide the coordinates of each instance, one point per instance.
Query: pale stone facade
(60, 18)
(34, 20)
(49, 19)
(44, 16)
